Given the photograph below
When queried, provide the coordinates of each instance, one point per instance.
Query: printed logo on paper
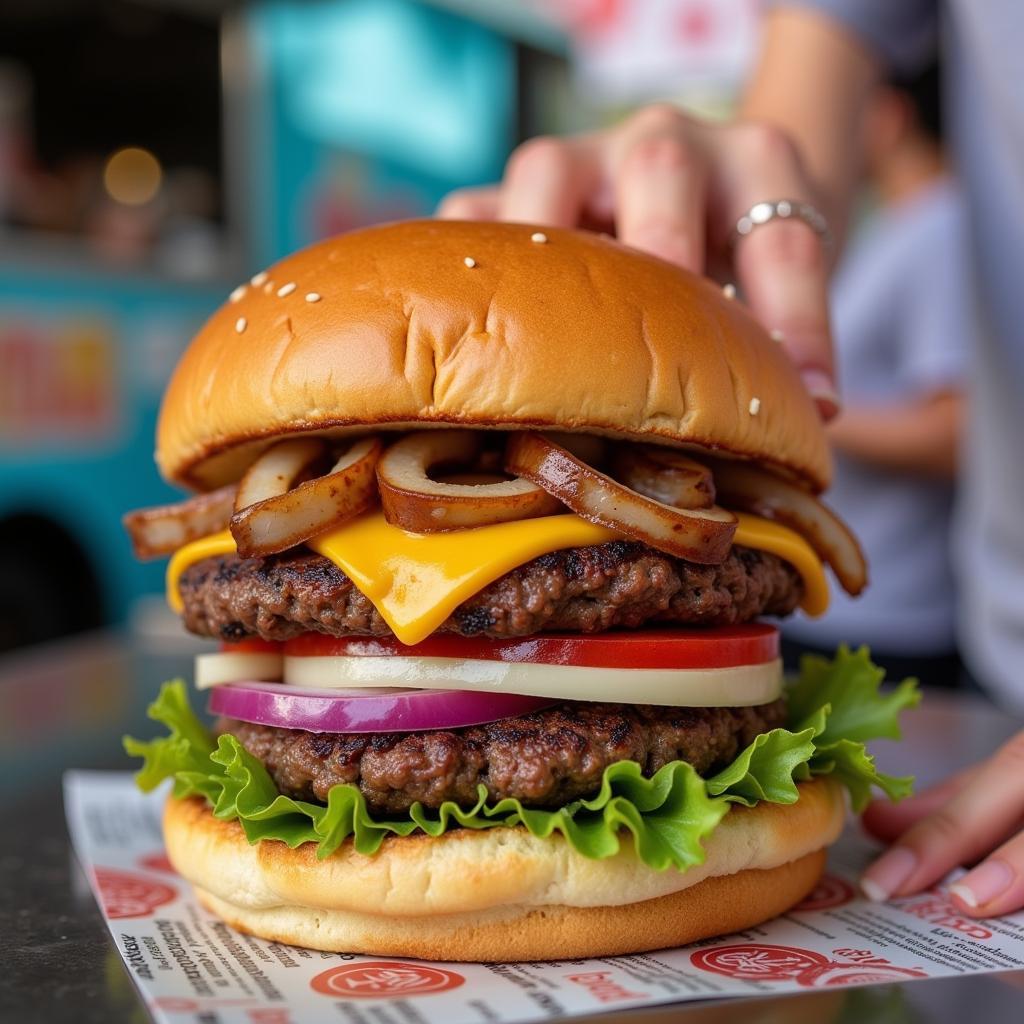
(852, 974)
(757, 962)
(828, 893)
(381, 979)
(127, 895)
(805, 966)
(157, 862)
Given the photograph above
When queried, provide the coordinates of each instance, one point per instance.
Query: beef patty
(545, 759)
(584, 590)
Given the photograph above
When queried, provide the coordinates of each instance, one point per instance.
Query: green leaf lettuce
(834, 708)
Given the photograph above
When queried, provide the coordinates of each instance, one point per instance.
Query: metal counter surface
(67, 705)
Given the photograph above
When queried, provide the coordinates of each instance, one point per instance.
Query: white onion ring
(755, 490)
(703, 536)
(665, 475)
(284, 520)
(230, 666)
(163, 529)
(277, 469)
(414, 501)
(734, 686)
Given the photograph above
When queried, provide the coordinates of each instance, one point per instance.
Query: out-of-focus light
(132, 176)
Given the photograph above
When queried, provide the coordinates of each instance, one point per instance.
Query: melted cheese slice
(417, 580)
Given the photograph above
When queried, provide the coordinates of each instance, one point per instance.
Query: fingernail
(874, 892)
(963, 894)
(888, 873)
(983, 884)
(820, 387)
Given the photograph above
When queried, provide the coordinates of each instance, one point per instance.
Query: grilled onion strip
(165, 528)
(664, 475)
(295, 514)
(702, 536)
(414, 500)
(277, 469)
(751, 489)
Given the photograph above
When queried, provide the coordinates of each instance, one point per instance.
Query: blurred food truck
(133, 200)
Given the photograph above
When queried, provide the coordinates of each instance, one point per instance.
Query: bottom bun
(503, 894)
(716, 906)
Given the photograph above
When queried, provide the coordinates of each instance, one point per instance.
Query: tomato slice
(724, 647)
(252, 645)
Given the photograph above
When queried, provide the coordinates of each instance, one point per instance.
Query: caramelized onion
(413, 500)
(277, 469)
(664, 475)
(165, 528)
(703, 536)
(285, 519)
(751, 489)
(589, 448)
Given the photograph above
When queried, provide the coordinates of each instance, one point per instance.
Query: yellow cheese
(417, 580)
(755, 532)
(206, 547)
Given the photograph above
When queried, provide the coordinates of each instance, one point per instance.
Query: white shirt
(902, 321)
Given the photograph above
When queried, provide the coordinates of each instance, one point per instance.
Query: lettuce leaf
(834, 707)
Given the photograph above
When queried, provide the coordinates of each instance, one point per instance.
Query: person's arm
(676, 186)
(813, 80)
(919, 438)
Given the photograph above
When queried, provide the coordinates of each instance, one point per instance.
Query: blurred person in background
(902, 323)
(679, 187)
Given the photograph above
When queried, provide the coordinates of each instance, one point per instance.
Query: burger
(485, 520)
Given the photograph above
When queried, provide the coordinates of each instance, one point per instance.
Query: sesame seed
(237, 294)
(755, 406)
(268, 287)
(312, 296)
(470, 262)
(240, 324)
(777, 335)
(257, 279)
(539, 237)
(729, 291)
(286, 289)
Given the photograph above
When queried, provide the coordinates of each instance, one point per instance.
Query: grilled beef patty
(585, 590)
(545, 759)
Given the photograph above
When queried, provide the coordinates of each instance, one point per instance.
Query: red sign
(128, 895)
(382, 979)
(57, 379)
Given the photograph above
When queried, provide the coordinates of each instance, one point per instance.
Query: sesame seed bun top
(434, 323)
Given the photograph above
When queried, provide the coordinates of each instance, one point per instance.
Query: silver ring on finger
(768, 210)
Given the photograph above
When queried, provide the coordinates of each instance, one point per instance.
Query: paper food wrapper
(190, 966)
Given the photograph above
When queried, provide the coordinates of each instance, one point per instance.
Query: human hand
(675, 186)
(975, 814)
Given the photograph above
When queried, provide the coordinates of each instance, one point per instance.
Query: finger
(888, 820)
(546, 181)
(470, 204)
(968, 825)
(660, 186)
(782, 265)
(996, 886)
(781, 270)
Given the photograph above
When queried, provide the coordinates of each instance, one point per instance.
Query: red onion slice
(367, 711)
